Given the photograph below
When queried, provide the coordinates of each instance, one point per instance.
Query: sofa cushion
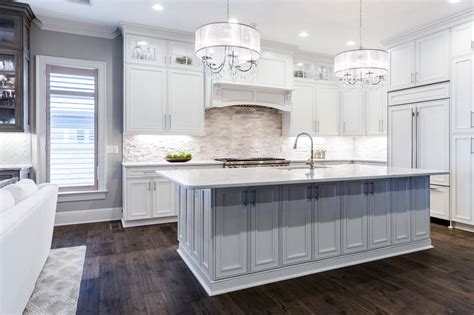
(6, 200)
(22, 190)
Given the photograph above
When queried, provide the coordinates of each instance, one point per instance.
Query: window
(71, 127)
(71, 107)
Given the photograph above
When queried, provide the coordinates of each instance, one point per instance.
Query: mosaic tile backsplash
(247, 132)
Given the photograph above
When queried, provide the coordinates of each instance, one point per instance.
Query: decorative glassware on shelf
(184, 60)
(142, 51)
(7, 89)
(304, 70)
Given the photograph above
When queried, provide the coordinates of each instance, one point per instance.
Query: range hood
(224, 94)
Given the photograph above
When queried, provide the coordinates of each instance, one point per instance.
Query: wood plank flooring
(137, 271)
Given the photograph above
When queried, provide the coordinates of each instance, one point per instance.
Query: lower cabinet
(252, 229)
(148, 198)
(439, 202)
(231, 246)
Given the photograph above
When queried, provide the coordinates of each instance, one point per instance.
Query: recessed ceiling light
(304, 34)
(158, 7)
(454, 1)
(299, 64)
(233, 20)
(350, 43)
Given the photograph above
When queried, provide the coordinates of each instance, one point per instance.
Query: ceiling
(330, 23)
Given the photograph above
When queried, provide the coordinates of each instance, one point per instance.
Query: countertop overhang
(245, 177)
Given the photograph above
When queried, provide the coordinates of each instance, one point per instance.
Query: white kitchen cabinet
(264, 227)
(462, 93)
(296, 224)
(301, 117)
(432, 138)
(462, 172)
(462, 37)
(352, 119)
(145, 99)
(432, 58)
(231, 232)
(380, 214)
(439, 202)
(419, 137)
(400, 136)
(376, 112)
(163, 198)
(274, 69)
(420, 62)
(354, 217)
(139, 201)
(327, 109)
(185, 102)
(327, 225)
(402, 66)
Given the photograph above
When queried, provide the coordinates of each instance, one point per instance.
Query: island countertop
(244, 177)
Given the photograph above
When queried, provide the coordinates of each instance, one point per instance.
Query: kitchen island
(239, 228)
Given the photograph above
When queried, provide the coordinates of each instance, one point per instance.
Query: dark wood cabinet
(15, 21)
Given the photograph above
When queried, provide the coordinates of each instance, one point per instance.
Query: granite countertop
(15, 167)
(242, 177)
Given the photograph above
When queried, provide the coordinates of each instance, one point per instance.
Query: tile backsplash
(247, 132)
(15, 148)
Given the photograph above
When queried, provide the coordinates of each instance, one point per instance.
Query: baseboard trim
(463, 226)
(87, 216)
(142, 222)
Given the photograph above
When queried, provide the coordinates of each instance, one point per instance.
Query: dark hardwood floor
(137, 270)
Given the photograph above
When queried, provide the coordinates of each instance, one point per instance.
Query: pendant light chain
(228, 10)
(360, 24)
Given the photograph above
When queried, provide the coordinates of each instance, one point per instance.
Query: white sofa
(26, 230)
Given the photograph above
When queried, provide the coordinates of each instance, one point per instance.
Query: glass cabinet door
(10, 31)
(8, 88)
(326, 72)
(182, 55)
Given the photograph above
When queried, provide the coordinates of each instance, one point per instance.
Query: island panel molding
(240, 234)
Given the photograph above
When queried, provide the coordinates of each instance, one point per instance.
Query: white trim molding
(68, 196)
(39, 142)
(76, 27)
(87, 216)
(439, 25)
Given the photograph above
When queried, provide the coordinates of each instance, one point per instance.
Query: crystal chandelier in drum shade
(365, 68)
(222, 44)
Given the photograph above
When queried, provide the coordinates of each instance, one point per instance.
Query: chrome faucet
(310, 162)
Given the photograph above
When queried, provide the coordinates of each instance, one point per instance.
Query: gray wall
(58, 44)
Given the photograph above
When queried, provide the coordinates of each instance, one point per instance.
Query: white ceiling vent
(87, 2)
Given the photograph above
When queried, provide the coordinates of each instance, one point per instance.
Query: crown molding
(76, 27)
(157, 32)
(304, 55)
(439, 25)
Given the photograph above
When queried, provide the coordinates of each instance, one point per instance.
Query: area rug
(57, 288)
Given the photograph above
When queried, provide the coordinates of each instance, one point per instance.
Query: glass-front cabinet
(15, 20)
(9, 88)
(313, 71)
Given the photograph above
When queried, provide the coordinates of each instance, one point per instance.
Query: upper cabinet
(15, 20)
(420, 62)
(163, 86)
(352, 118)
(302, 116)
(327, 109)
(462, 93)
(462, 39)
(376, 112)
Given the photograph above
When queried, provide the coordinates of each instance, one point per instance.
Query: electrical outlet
(112, 149)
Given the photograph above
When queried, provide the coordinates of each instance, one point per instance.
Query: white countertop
(162, 163)
(166, 163)
(242, 177)
(14, 167)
